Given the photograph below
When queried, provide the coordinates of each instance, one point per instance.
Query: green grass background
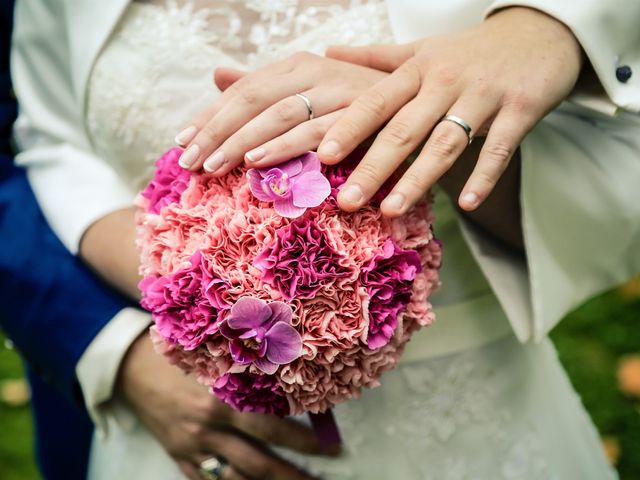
(590, 342)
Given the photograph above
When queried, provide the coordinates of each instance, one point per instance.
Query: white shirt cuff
(98, 367)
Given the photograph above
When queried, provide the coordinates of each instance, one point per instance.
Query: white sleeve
(98, 368)
(608, 33)
(73, 186)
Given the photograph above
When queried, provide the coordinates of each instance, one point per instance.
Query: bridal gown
(468, 401)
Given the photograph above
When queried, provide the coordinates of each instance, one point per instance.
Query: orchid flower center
(253, 343)
(279, 184)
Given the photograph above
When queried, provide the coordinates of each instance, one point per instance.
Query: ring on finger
(307, 102)
(461, 123)
(212, 468)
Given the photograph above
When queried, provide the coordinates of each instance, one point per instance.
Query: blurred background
(599, 344)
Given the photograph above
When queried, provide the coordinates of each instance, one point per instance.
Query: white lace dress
(468, 401)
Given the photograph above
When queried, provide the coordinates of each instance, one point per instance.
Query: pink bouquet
(270, 294)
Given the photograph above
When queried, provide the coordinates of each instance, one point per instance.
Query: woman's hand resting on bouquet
(501, 77)
(192, 425)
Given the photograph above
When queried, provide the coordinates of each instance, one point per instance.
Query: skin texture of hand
(193, 425)
(260, 116)
(501, 77)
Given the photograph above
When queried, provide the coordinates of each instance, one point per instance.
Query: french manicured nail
(470, 198)
(352, 194)
(329, 149)
(395, 201)
(214, 162)
(255, 155)
(189, 156)
(186, 135)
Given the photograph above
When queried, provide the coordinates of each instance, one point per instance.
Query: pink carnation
(300, 261)
(169, 181)
(248, 392)
(185, 304)
(388, 279)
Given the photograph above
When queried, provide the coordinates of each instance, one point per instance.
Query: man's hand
(191, 424)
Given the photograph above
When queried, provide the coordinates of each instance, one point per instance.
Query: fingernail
(186, 135)
(395, 201)
(214, 162)
(255, 155)
(470, 198)
(189, 156)
(352, 194)
(329, 149)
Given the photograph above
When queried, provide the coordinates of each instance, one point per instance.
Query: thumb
(225, 77)
(381, 57)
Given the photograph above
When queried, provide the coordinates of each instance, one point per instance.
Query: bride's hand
(192, 425)
(503, 76)
(260, 115)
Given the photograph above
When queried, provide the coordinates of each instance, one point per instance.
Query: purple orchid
(292, 186)
(261, 333)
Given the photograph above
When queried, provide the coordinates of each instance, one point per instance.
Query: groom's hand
(192, 425)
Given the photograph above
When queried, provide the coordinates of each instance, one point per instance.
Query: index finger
(369, 112)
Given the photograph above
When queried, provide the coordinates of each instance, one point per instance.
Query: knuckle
(301, 57)
(374, 103)
(499, 151)
(245, 92)
(368, 172)
(518, 100)
(413, 180)
(443, 144)
(398, 134)
(316, 131)
(348, 133)
(446, 75)
(287, 112)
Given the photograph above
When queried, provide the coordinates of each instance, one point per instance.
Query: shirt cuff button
(623, 73)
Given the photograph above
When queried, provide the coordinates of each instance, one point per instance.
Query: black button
(623, 73)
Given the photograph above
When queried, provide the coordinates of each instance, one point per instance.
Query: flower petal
(248, 312)
(280, 312)
(284, 344)
(228, 332)
(310, 162)
(310, 189)
(266, 366)
(240, 354)
(286, 208)
(291, 167)
(255, 184)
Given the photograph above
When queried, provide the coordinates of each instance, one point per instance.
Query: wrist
(132, 368)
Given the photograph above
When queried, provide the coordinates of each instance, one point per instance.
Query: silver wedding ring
(460, 122)
(307, 102)
(212, 468)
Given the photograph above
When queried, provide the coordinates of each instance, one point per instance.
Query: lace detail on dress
(438, 424)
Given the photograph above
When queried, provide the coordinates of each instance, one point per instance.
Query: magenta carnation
(185, 304)
(388, 279)
(169, 181)
(252, 393)
(300, 261)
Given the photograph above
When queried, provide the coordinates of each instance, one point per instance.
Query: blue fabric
(51, 306)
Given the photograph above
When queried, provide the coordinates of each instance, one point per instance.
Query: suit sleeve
(52, 306)
(609, 35)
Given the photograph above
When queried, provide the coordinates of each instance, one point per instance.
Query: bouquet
(260, 286)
